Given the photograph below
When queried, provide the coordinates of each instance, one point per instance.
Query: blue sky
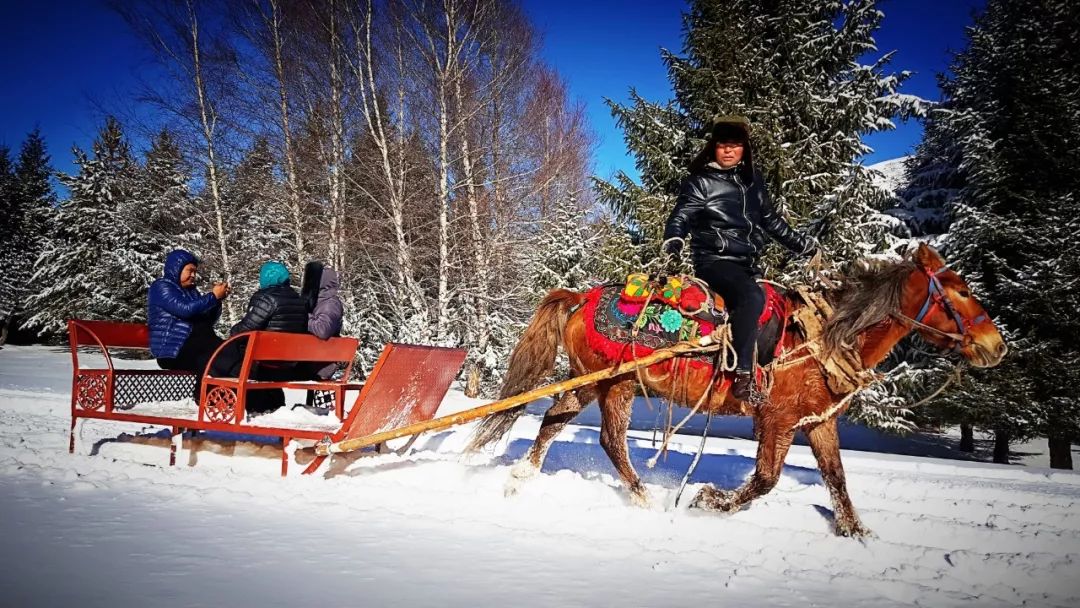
(69, 61)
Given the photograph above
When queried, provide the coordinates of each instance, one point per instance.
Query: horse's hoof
(853, 529)
(639, 497)
(518, 475)
(712, 499)
(705, 499)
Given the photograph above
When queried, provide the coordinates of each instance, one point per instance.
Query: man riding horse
(725, 209)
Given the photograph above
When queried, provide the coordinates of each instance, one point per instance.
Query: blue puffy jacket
(171, 308)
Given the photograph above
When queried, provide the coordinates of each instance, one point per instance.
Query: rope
(694, 462)
(827, 414)
(727, 359)
(952, 336)
(941, 389)
(671, 432)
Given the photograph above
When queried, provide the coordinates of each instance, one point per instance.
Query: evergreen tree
(933, 176)
(1008, 148)
(94, 265)
(253, 197)
(8, 251)
(7, 182)
(561, 256)
(792, 67)
(30, 204)
(166, 213)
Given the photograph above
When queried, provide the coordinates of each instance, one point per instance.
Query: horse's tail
(533, 360)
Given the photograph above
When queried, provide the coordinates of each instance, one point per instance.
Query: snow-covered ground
(113, 526)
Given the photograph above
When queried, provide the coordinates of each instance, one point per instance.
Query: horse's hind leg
(777, 433)
(556, 418)
(825, 442)
(616, 402)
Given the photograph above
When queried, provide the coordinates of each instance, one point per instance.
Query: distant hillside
(890, 174)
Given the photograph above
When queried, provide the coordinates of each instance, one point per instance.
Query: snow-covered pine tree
(1012, 136)
(933, 176)
(93, 264)
(562, 256)
(165, 216)
(30, 201)
(8, 251)
(793, 67)
(7, 190)
(254, 199)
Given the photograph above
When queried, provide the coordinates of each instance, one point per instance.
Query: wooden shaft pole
(700, 345)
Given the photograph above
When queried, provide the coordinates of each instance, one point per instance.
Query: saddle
(627, 321)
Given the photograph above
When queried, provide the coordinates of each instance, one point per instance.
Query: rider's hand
(221, 290)
(672, 247)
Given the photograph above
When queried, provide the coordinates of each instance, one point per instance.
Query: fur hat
(730, 127)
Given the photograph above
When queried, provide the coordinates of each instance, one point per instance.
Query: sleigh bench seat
(224, 399)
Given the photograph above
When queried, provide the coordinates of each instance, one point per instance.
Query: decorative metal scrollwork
(91, 392)
(221, 404)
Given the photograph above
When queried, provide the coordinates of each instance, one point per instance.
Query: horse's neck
(877, 341)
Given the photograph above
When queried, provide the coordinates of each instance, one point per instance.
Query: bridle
(937, 298)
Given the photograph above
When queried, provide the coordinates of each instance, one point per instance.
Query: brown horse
(874, 309)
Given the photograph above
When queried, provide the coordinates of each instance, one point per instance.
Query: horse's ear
(928, 258)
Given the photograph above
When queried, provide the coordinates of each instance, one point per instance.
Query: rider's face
(728, 153)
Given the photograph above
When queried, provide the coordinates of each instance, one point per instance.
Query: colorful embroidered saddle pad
(611, 314)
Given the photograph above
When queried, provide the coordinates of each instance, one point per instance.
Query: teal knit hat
(273, 273)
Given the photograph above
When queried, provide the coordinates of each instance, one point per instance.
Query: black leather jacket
(727, 218)
(277, 308)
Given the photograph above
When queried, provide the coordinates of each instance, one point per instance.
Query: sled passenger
(325, 309)
(320, 293)
(181, 320)
(727, 212)
(276, 306)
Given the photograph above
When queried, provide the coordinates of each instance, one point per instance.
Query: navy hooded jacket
(172, 308)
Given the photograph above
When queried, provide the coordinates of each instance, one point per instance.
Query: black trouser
(195, 353)
(743, 299)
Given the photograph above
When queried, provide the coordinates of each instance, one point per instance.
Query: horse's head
(946, 313)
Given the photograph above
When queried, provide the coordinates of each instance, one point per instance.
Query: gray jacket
(325, 319)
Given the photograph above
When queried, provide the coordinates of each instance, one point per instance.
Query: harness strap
(936, 297)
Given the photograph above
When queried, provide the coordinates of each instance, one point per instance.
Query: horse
(875, 307)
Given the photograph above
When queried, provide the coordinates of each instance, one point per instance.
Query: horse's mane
(869, 293)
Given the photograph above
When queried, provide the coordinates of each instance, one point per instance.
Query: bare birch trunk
(208, 123)
(337, 147)
(286, 130)
(392, 154)
(445, 72)
(480, 312)
(443, 298)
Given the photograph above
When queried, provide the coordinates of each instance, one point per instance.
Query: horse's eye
(964, 293)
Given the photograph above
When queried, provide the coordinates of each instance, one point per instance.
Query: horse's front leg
(615, 403)
(776, 433)
(825, 442)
